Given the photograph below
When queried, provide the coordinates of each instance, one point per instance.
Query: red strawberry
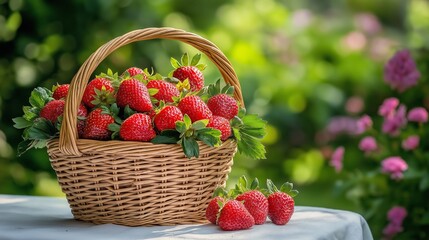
(234, 216)
(195, 108)
(190, 70)
(60, 91)
(97, 123)
(280, 203)
(166, 90)
(132, 71)
(256, 203)
(223, 105)
(222, 124)
(167, 118)
(82, 112)
(134, 93)
(98, 92)
(52, 110)
(213, 209)
(137, 127)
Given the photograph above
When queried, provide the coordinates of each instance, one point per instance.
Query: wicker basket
(138, 183)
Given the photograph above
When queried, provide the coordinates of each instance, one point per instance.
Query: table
(31, 217)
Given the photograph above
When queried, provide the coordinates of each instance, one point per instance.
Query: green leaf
(21, 122)
(152, 91)
(195, 59)
(181, 127)
(114, 127)
(187, 120)
(190, 147)
(176, 64)
(201, 66)
(41, 129)
(167, 136)
(39, 97)
(293, 193)
(200, 124)
(255, 184)
(185, 59)
(30, 113)
(242, 183)
(220, 191)
(209, 136)
(128, 112)
(271, 186)
(286, 187)
(24, 146)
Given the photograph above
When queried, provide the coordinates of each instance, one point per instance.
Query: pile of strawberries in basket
(242, 207)
(139, 105)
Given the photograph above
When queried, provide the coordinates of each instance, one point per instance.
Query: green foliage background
(299, 63)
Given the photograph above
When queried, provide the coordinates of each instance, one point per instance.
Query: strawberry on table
(60, 91)
(96, 126)
(280, 202)
(195, 108)
(221, 124)
(190, 70)
(253, 199)
(134, 93)
(234, 216)
(98, 92)
(213, 209)
(137, 127)
(167, 117)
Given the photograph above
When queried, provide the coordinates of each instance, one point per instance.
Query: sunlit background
(303, 66)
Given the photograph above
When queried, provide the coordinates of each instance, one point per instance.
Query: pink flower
(395, 121)
(410, 143)
(337, 159)
(395, 166)
(364, 123)
(397, 214)
(368, 144)
(401, 72)
(388, 106)
(418, 114)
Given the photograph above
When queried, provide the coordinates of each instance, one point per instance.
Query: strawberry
(222, 124)
(223, 105)
(137, 127)
(189, 70)
(195, 108)
(166, 90)
(167, 118)
(234, 216)
(213, 209)
(96, 126)
(52, 110)
(134, 93)
(280, 203)
(60, 91)
(82, 113)
(98, 92)
(132, 71)
(253, 199)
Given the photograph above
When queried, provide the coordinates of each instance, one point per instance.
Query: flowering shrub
(392, 183)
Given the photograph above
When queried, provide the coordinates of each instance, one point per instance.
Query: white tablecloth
(29, 217)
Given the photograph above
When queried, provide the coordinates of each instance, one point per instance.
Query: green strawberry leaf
(220, 191)
(201, 66)
(167, 137)
(181, 127)
(128, 112)
(114, 127)
(185, 59)
(187, 120)
(242, 184)
(30, 113)
(24, 146)
(200, 124)
(195, 59)
(293, 193)
(248, 131)
(41, 129)
(21, 122)
(209, 136)
(176, 64)
(190, 147)
(271, 186)
(286, 187)
(40, 96)
(255, 184)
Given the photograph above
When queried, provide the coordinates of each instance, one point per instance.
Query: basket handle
(68, 132)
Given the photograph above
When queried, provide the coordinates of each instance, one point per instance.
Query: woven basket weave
(138, 183)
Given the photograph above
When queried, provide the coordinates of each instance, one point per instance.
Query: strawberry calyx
(185, 61)
(112, 77)
(215, 89)
(187, 133)
(286, 187)
(103, 97)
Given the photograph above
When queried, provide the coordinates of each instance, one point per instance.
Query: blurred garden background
(307, 67)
